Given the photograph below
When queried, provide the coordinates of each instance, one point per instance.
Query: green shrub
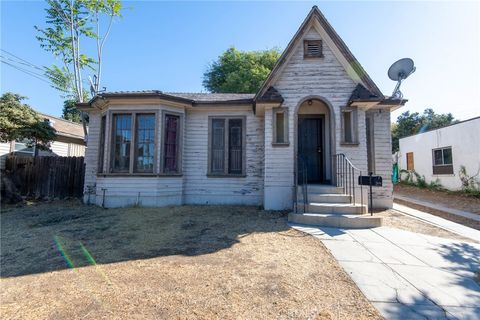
(412, 178)
(470, 184)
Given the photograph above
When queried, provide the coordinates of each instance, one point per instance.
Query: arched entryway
(314, 141)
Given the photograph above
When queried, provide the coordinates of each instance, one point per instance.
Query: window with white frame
(442, 160)
(24, 148)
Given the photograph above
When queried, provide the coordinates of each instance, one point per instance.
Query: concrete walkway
(440, 222)
(408, 275)
(461, 213)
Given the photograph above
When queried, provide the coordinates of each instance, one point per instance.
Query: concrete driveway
(408, 275)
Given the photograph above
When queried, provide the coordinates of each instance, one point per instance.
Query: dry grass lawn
(186, 262)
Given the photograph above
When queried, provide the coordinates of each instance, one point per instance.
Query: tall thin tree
(68, 23)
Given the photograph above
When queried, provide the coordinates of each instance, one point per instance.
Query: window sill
(138, 174)
(170, 174)
(280, 144)
(126, 174)
(352, 144)
(219, 175)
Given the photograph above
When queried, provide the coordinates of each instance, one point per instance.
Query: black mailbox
(372, 181)
(375, 181)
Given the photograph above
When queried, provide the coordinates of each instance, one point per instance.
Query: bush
(412, 178)
(470, 184)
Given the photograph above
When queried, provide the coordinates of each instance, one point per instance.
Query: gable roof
(338, 42)
(362, 94)
(205, 97)
(271, 95)
(64, 127)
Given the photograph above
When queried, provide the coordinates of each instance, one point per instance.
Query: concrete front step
(339, 208)
(336, 220)
(321, 188)
(326, 198)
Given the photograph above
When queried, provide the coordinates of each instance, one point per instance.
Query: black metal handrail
(345, 173)
(304, 184)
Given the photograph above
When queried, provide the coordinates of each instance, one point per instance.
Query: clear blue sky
(168, 45)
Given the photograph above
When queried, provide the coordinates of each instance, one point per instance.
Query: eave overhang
(157, 97)
(366, 104)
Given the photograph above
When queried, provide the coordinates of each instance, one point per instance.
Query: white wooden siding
(143, 191)
(76, 150)
(200, 189)
(383, 196)
(124, 190)
(91, 156)
(301, 78)
(4, 151)
(59, 148)
(194, 187)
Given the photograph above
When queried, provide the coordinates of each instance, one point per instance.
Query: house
(68, 143)
(439, 154)
(316, 120)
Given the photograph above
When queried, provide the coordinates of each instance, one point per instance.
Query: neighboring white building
(155, 148)
(68, 143)
(438, 154)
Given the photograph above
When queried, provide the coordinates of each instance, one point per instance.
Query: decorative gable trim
(351, 64)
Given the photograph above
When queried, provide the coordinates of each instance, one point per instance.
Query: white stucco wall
(464, 138)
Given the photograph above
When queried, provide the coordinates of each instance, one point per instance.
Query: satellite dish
(400, 71)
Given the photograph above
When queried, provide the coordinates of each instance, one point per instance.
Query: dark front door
(310, 149)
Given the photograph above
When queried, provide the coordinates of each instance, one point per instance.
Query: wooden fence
(47, 177)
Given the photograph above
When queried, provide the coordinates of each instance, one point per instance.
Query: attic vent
(312, 49)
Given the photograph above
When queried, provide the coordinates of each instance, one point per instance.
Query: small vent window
(312, 49)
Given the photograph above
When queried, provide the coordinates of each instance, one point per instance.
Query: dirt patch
(452, 217)
(66, 260)
(452, 200)
(395, 219)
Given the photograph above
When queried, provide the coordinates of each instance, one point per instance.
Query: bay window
(122, 140)
(171, 143)
(133, 142)
(145, 143)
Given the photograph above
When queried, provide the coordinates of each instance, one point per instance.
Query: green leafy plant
(239, 71)
(412, 178)
(435, 185)
(18, 121)
(69, 23)
(412, 123)
(470, 184)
